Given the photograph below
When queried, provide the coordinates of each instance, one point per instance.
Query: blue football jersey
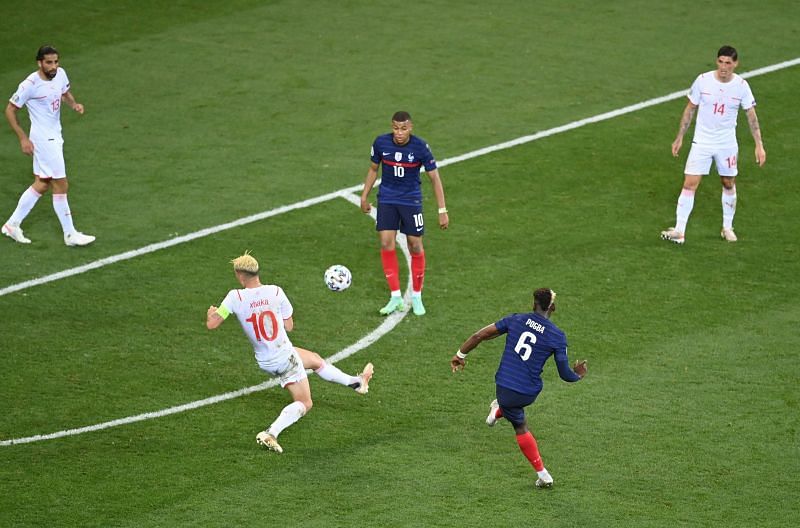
(531, 339)
(400, 182)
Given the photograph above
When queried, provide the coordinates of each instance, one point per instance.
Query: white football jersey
(719, 105)
(43, 99)
(261, 312)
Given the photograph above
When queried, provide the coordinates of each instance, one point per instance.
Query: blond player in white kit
(43, 92)
(718, 94)
(265, 314)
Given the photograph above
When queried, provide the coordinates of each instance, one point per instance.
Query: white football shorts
(48, 158)
(699, 161)
(288, 371)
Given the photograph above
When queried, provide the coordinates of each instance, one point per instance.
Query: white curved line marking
(384, 328)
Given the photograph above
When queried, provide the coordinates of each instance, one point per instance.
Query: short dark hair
(728, 51)
(45, 50)
(401, 116)
(544, 297)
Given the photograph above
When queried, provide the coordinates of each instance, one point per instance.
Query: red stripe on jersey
(401, 164)
(239, 294)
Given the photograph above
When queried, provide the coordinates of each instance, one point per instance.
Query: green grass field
(198, 114)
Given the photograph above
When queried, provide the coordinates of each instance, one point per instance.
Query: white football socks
(289, 415)
(728, 207)
(332, 373)
(61, 206)
(684, 209)
(26, 202)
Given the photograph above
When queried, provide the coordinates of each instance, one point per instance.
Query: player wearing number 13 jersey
(265, 314)
(531, 338)
(716, 96)
(43, 93)
(402, 156)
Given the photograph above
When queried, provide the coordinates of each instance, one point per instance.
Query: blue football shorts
(405, 218)
(513, 404)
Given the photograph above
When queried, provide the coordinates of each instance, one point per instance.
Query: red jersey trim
(401, 164)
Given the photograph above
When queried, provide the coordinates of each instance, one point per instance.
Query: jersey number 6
(524, 346)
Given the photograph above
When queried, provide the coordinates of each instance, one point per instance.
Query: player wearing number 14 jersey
(716, 96)
(402, 156)
(265, 314)
(531, 338)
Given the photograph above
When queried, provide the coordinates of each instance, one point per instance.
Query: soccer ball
(338, 278)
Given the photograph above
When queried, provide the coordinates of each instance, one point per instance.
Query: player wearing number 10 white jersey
(265, 314)
(261, 311)
(717, 96)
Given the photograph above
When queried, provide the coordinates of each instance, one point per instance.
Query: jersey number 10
(257, 320)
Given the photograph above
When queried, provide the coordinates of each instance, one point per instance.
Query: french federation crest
(411, 158)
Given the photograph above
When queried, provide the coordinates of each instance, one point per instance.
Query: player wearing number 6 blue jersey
(402, 157)
(265, 313)
(531, 338)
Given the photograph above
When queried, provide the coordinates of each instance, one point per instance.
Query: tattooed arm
(755, 130)
(686, 121)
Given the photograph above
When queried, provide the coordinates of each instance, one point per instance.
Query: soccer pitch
(198, 115)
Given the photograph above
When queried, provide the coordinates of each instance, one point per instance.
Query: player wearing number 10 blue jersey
(531, 338)
(402, 156)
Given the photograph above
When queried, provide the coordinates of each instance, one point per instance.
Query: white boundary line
(388, 324)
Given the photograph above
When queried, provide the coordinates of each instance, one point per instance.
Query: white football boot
(492, 418)
(544, 480)
(365, 376)
(270, 442)
(673, 235)
(728, 234)
(14, 231)
(78, 239)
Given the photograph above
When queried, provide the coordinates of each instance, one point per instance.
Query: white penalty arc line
(385, 327)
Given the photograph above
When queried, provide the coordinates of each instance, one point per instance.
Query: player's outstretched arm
(213, 319)
(458, 361)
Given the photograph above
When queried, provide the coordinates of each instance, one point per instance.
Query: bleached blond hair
(245, 263)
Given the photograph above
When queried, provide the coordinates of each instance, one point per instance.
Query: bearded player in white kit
(719, 94)
(43, 92)
(265, 314)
